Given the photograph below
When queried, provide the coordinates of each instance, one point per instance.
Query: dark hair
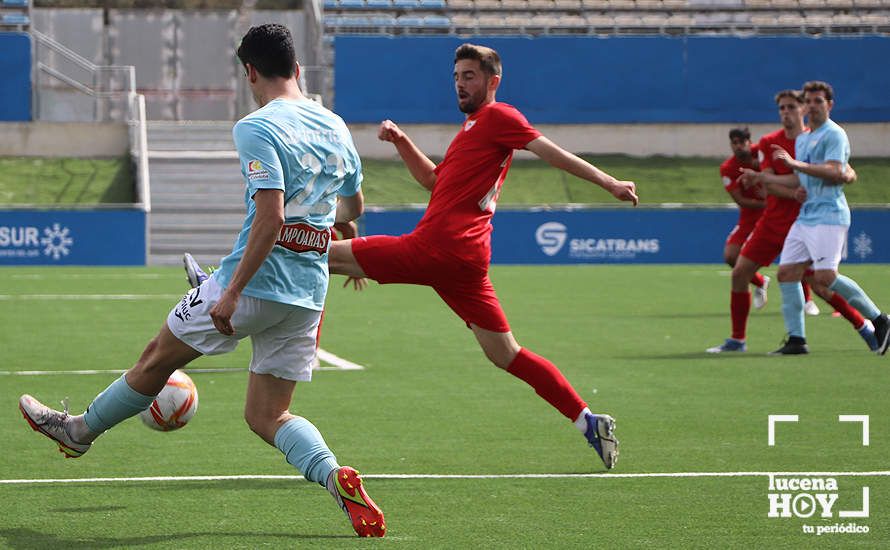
(488, 59)
(740, 133)
(270, 49)
(819, 86)
(793, 94)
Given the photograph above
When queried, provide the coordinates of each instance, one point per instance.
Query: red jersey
(730, 171)
(469, 180)
(779, 213)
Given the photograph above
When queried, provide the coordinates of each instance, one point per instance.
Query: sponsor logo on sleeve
(256, 172)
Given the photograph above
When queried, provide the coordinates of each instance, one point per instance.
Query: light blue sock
(857, 297)
(792, 308)
(305, 449)
(114, 405)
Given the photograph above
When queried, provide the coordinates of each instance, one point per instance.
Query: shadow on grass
(122, 187)
(29, 538)
(748, 356)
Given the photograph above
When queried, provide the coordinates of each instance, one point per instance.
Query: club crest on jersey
(468, 125)
(256, 172)
(301, 237)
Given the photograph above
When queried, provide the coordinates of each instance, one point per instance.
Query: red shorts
(765, 243)
(740, 233)
(464, 286)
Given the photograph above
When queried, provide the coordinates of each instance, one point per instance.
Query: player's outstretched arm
(420, 166)
(558, 157)
(832, 171)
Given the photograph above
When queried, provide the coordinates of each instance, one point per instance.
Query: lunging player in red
(450, 249)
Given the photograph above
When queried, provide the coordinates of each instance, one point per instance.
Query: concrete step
(205, 257)
(229, 207)
(210, 186)
(197, 191)
(186, 201)
(167, 166)
(161, 218)
(183, 141)
(177, 240)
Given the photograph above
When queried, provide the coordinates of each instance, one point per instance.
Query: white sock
(79, 431)
(581, 421)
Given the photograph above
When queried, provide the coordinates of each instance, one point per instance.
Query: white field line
(338, 363)
(334, 363)
(91, 276)
(453, 476)
(57, 297)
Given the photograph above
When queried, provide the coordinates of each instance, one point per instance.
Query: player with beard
(450, 249)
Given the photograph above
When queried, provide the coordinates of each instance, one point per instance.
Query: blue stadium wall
(72, 237)
(15, 82)
(572, 80)
(626, 235)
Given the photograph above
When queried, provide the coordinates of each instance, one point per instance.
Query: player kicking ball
(450, 249)
(302, 175)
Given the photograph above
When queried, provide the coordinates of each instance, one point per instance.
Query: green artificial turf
(630, 339)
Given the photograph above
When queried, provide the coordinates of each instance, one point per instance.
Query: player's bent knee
(741, 274)
(824, 279)
(789, 273)
(501, 355)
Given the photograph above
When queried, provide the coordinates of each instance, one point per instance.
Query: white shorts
(284, 337)
(824, 245)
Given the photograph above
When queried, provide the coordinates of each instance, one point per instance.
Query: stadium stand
(645, 17)
(15, 15)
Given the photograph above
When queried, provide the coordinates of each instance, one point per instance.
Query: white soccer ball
(174, 406)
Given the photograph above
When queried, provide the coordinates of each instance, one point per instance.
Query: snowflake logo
(56, 241)
(862, 245)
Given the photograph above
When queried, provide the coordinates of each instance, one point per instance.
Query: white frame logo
(804, 495)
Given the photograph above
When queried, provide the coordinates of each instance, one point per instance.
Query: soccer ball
(174, 406)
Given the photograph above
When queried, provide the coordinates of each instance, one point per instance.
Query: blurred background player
(302, 174)
(765, 242)
(751, 201)
(450, 249)
(818, 237)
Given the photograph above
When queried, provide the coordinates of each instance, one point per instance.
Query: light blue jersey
(826, 203)
(305, 150)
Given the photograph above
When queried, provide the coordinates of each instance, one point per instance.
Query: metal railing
(112, 89)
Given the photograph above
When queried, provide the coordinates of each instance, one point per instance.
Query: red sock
(548, 382)
(757, 280)
(806, 292)
(739, 307)
(849, 312)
